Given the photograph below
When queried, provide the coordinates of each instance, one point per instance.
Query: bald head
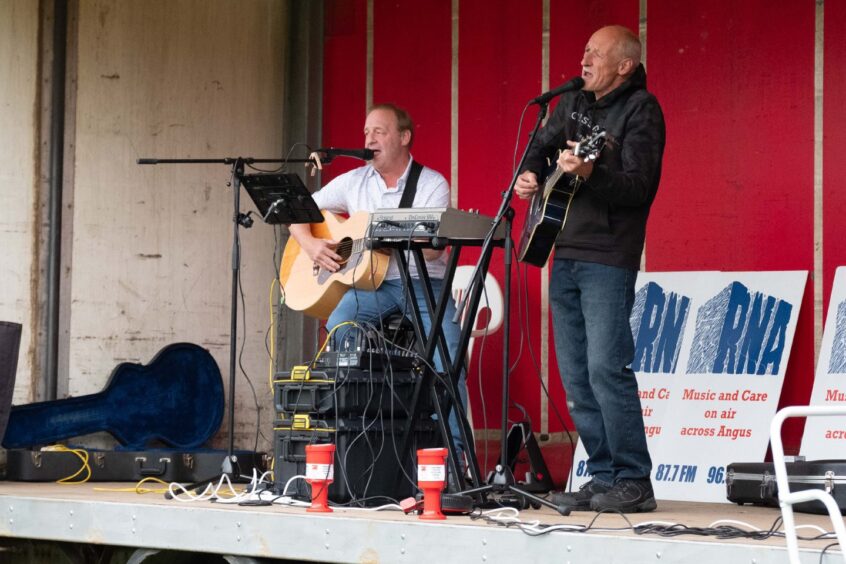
(626, 43)
(611, 56)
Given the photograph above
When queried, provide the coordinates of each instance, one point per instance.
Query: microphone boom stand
(229, 466)
(502, 481)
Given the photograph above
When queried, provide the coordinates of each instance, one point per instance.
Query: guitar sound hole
(344, 249)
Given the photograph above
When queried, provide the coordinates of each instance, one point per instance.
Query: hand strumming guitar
(526, 185)
(321, 251)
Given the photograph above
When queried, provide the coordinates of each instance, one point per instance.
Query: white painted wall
(18, 176)
(149, 250)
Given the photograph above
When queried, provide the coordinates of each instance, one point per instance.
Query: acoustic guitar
(550, 206)
(314, 290)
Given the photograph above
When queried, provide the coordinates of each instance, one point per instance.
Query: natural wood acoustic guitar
(314, 290)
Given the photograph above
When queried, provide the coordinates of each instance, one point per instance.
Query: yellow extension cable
(82, 454)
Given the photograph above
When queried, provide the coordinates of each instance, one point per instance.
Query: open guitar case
(161, 414)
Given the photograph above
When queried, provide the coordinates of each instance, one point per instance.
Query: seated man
(382, 183)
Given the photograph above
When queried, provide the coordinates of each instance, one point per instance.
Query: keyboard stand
(435, 343)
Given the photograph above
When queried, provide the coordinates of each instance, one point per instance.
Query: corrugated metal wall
(741, 190)
(147, 257)
(19, 175)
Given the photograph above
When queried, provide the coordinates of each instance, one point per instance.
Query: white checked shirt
(364, 189)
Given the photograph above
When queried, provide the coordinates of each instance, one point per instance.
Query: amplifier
(366, 457)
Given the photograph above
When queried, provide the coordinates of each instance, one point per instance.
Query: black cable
(370, 340)
(517, 143)
(282, 166)
(721, 532)
(241, 352)
(401, 463)
(525, 320)
(388, 378)
(366, 500)
(481, 387)
(241, 364)
(363, 435)
(536, 371)
(825, 549)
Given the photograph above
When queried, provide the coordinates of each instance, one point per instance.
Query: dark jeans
(591, 305)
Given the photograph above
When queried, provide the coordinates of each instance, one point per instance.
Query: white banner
(711, 350)
(825, 437)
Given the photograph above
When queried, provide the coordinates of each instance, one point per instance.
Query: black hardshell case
(124, 466)
(755, 483)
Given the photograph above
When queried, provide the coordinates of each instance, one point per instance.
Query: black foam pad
(10, 344)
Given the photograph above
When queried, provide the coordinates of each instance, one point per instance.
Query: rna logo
(740, 332)
(658, 321)
(837, 362)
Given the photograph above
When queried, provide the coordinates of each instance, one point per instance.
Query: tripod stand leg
(520, 435)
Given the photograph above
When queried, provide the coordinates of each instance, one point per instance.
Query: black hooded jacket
(606, 223)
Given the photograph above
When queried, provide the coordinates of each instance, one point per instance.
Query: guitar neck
(358, 246)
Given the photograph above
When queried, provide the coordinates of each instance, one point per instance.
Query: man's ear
(405, 137)
(626, 67)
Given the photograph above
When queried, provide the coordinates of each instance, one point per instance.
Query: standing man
(597, 257)
(383, 183)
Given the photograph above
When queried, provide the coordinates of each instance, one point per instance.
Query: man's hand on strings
(322, 252)
(570, 163)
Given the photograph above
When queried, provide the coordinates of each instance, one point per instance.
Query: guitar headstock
(589, 146)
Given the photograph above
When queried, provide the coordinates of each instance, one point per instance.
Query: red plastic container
(431, 477)
(320, 472)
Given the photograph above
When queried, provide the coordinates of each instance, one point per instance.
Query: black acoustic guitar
(549, 207)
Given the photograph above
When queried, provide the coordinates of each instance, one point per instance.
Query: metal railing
(786, 498)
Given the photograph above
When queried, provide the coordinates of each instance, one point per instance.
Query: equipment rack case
(755, 483)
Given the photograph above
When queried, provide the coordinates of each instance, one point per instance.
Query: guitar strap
(410, 189)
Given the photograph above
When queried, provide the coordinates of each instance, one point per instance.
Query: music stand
(286, 199)
(281, 198)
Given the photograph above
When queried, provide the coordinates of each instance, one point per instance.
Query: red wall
(738, 97)
(495, 70)
(412, 70)
(344, 79)
(834, 143)
(737, 186)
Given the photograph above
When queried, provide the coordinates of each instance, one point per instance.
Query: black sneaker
(627, 496)
(580, 500)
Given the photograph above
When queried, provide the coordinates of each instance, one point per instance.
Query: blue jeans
(370, 306)
(591, 305)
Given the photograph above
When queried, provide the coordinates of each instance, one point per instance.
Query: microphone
(574, 84)
(363, 154)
